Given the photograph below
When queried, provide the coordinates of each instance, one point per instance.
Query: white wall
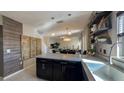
(74, 43)
(45, 44)
(30, 31)
(85, 40)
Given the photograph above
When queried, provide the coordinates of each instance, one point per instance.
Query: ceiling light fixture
(69, 33)
(53, 34)
(66, 39)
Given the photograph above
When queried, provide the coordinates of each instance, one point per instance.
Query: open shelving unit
(103, 22)
(99, 32)
(98, 16)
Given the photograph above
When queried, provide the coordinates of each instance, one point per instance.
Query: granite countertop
(67, 57)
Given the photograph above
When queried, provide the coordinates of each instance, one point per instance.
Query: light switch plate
(8, 51)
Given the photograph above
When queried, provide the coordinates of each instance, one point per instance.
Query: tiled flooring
(28, 74)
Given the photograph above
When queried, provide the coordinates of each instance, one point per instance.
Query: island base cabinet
(44, 70)
(74, 72)
(57, 70)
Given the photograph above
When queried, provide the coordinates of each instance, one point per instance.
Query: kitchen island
(60, 67)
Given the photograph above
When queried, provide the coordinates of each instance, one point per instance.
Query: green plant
(92, 50)
(55, 45)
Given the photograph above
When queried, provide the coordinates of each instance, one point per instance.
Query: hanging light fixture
(66, 39)
(68, 32)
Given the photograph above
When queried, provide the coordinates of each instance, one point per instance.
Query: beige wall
(1, 22)
(30, 31)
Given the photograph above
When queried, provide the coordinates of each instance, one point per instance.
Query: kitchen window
(120, 32)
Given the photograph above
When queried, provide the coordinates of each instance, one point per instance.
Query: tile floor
(28, 74)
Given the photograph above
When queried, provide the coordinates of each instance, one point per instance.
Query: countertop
(67, 57)
(92, 64)
(85, 60)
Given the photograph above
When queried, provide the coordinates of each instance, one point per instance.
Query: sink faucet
(112, 48)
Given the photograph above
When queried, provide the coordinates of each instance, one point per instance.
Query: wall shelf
(108, 41)
(98, 17)
(99, 32)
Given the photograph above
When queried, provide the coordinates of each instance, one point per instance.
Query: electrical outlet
(104, 51)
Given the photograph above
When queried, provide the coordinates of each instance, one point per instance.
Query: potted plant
(92, 52)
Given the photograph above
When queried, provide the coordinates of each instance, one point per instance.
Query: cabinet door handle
(43, 66)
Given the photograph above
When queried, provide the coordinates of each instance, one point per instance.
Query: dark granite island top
(66, 57)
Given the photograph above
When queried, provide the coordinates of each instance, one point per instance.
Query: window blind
(120, 23)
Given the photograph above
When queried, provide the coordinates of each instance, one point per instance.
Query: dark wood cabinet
(74, 71)
(44, 69)
(59, 70)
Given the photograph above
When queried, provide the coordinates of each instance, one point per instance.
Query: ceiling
(42, 21)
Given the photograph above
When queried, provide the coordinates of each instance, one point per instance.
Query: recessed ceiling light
(52, 18)
(53, 34)
(69, 33)
(69, 14)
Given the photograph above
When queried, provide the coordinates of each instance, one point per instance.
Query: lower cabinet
(58, 70)
(74, 72)
(44, 69)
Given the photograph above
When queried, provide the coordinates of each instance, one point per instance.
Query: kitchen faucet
(112, 48)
